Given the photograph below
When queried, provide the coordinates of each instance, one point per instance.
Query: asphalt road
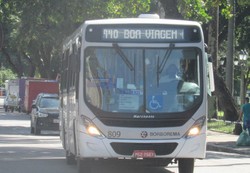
(21, 152)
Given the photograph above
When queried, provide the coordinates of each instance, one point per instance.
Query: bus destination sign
(143, 33)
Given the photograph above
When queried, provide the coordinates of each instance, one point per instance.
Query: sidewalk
(225, 142)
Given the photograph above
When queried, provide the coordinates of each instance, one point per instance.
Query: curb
(239, 150)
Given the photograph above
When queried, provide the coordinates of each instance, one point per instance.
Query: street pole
(242, 86)
(230, 50)
(243, 64)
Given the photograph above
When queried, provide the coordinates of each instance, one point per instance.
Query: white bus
(134, 91)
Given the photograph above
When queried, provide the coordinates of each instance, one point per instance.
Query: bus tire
(186, 165)
(37, 131)
(83, 166)
(70, 158)
(32, 130)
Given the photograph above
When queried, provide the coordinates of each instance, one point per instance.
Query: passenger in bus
(187, 68)
(169, 86)
(172, 73)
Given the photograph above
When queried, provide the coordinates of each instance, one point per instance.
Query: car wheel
(186, 165)
(31, 126)
(83, 166)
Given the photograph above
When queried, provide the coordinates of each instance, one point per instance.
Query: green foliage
(6, 74)
(243, 2)
(227, 11)
(195, 10)
(38, 29)
(127, 8)
(221, 126)
(242, 34)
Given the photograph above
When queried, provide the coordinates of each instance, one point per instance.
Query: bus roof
(141, 21)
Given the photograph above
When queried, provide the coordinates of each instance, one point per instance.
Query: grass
(221, 126)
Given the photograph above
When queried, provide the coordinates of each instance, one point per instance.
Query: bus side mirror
(210, 74)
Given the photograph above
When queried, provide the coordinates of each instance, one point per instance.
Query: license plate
(144, 153)
(55, 120)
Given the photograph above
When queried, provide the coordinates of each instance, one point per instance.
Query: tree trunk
(226, 101)
(8, 58)
(1, 36)
(230, 51)
(171, 10)
(213, 31)
(32, 66)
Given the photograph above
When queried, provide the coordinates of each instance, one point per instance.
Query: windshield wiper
(160, 66)
(123, 56)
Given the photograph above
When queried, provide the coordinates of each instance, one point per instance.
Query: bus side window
(78, 66)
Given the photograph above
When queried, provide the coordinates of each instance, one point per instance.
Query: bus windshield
(142, 80)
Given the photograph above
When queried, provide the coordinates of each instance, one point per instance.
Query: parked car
(45, 113)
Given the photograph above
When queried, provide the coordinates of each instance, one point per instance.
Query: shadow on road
(58, 165)
(18, 124)
(13, 116)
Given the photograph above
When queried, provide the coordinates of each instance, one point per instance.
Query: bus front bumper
(94, 147)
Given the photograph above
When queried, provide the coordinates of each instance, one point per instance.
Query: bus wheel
(37, 131)
(83, 166)
(32, 130)
(186, 165)
(70, 158)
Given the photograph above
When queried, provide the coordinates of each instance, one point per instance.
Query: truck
(34, 87)
(12, 98)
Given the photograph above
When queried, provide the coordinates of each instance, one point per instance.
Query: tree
(6, 74)
(35, 37)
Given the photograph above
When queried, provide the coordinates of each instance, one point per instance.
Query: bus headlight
(196, 128)
(92, 130)
(90, 127)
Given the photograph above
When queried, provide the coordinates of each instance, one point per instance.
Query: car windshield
(49, 103)
(142, 79)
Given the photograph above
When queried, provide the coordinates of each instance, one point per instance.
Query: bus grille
(143, 123)
(128, 148)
